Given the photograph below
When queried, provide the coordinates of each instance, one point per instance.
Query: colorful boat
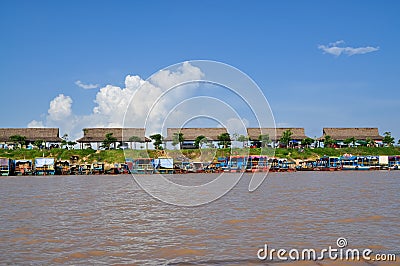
(23, 167)
(195, 167)
(394, 162)
(44, 166)
(85, 169)
(308, 165)
(62, 167)
(257, 163)
(353, 163)
(163, 165)
(235, 164)
(327, 163)
(97, 168)
(140, 166)
(6, 167)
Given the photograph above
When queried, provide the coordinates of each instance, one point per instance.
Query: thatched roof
(31, 134)
(357, 133)
(275, 133)
(191, 134)
(121, 134)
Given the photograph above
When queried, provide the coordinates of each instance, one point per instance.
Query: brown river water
(92, 220)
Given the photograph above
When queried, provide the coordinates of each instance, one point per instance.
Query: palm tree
(286, 137)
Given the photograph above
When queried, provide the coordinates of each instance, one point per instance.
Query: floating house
(360, 134)
(275, 134)
(190, 135)
(96, 136)
(48, 135)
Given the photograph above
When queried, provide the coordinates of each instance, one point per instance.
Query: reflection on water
(109, 219)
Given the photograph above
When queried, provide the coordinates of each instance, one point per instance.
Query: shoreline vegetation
(118, 156)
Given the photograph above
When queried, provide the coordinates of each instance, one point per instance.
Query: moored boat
(62, 167)
(6, 167)
(23, 167)
(44, 166)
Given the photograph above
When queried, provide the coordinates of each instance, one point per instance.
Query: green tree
(110, 139)
(38, 143)
(264, 139)
(350, 140)
(135, 139)
(224, 140)
(71, 143)
(21, 140)
(65, 141)
(398, 142)
(286, 137)
(178, 138)
(307, 142)
(199, 140)
(370, 142)
(243, 139)
(388, 139)
(328, 141)
(157, 141)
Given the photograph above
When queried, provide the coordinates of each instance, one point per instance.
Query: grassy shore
(112, 156)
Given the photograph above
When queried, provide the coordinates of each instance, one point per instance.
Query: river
(111, 220)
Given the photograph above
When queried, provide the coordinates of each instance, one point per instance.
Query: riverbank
(113, 156)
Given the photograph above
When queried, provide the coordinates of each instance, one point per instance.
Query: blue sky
(47, 46)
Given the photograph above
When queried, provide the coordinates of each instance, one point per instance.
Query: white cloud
(86, 86)
(60, 108)
(335, 49)
(35, 124)
(112, 102)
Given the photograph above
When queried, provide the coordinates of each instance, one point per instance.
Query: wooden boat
(257, 163)
(23, 167)
(163, 165)
(353, 163)
(281, 165)
(44, 166)
(394, 162)
(308, 165)
(97, 168)
(85, 169)
(235, 164)
(6, 167)
(62, 167)
(112, 169)
(140, 166)
(195, 167)
(328, 163)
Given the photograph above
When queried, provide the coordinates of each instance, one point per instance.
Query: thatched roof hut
(121, 134)
(346, 133)
(31, 134)
(190, 134)
(275, 133)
